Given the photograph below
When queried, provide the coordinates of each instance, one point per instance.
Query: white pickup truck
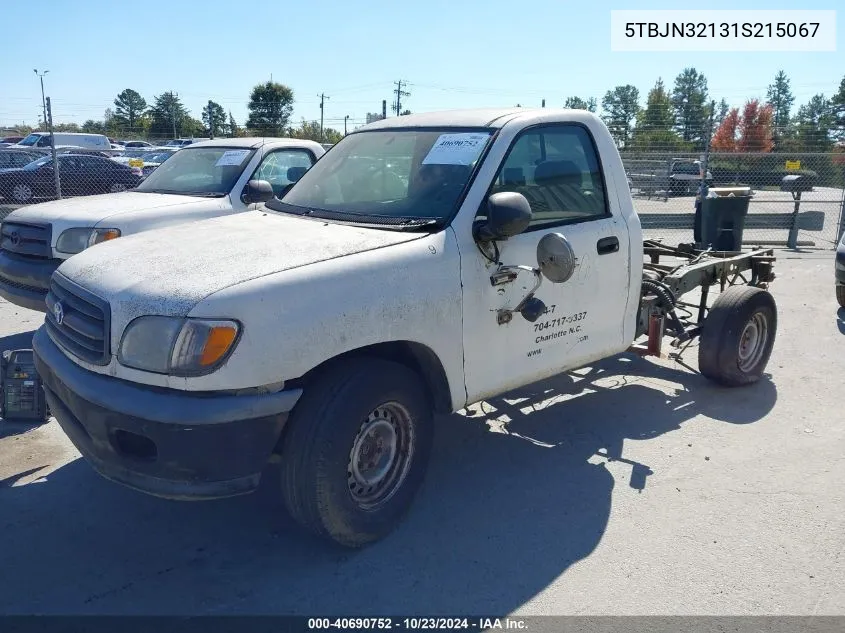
(204, 180)
(425, 263)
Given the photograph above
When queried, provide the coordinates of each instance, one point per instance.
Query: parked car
(66, 139)
(16, 158)
(131, 156)
(204, 180)
(80, 175)
(184, 142)
(10, 140)
(136, 144)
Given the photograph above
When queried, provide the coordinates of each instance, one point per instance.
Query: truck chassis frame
(690, 268)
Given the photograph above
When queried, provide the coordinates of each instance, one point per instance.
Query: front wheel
(356, 450)
(840, 295)
(738, 336)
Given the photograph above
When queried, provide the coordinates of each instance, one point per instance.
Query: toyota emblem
(58, 312)
(15, 238)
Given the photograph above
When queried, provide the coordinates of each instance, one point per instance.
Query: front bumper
(840, 264)
(164, 442)
(25, 281)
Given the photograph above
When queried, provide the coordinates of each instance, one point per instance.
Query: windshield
(37, 163)
(199, 170)
(384, 176)
(31, 140)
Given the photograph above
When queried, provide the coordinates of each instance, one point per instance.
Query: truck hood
(89, 210)
(168, 271)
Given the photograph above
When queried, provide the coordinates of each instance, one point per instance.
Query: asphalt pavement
(632, 487)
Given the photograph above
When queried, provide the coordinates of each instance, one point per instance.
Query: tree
(232, 129)
(721, 112)
(577, 103)
(658, 110)
(93, 127)
(724, 140)
(168, 116)
(129, 106)
(755, 128)
(780, 97)
(270, 106)
(214, 118)
(689, 103)
(837, 110)
(814, 123)
(311, 130)
(620, 107)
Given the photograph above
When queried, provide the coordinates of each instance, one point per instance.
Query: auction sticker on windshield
(456, 149)
(232, 157)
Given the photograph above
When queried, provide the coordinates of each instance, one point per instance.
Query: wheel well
(413, 355)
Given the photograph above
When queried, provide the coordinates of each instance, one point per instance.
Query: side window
(275, 165)
(44, 141)
(556, 168)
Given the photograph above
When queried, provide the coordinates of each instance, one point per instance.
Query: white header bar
(723, 31)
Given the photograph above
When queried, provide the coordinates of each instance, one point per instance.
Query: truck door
(557, 168)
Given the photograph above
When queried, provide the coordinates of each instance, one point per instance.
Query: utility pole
(384, 108)
(399, 94)
(322, 112)
(544, 104)
(43, 102)
(49, 120)
(345, 119)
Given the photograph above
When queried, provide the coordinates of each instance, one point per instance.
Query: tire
(738, 336)
(118, 187)
(840, 295)
(21, 193)
(326, 433)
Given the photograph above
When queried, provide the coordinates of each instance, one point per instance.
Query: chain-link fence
(803, 192)
(664, 186)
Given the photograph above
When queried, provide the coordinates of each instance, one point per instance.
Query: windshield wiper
(198, 194)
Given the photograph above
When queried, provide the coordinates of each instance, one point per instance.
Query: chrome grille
(78, 321)
(24, 238)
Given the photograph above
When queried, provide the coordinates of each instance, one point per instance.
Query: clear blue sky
(454, 54)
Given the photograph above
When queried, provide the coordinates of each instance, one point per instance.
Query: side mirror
(295, 173)
(257, 191)
(555, 258)
(508, 214)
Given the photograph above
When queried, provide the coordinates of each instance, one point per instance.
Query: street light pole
(344, 124)
(43, 101)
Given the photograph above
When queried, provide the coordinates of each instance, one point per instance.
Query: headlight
(175, 346)
(75, 241)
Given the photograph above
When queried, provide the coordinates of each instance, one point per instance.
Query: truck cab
(427, 262)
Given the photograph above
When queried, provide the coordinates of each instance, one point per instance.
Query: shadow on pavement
(501, 516)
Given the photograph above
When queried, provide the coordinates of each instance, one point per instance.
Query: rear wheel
(840, 295)
(356, 450)
(738, 336)
(118, 187)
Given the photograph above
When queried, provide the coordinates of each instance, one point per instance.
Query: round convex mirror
(556, 258)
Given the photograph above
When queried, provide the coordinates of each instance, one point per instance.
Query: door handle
(607, 245)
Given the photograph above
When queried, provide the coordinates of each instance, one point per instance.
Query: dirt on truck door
(556, 168)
